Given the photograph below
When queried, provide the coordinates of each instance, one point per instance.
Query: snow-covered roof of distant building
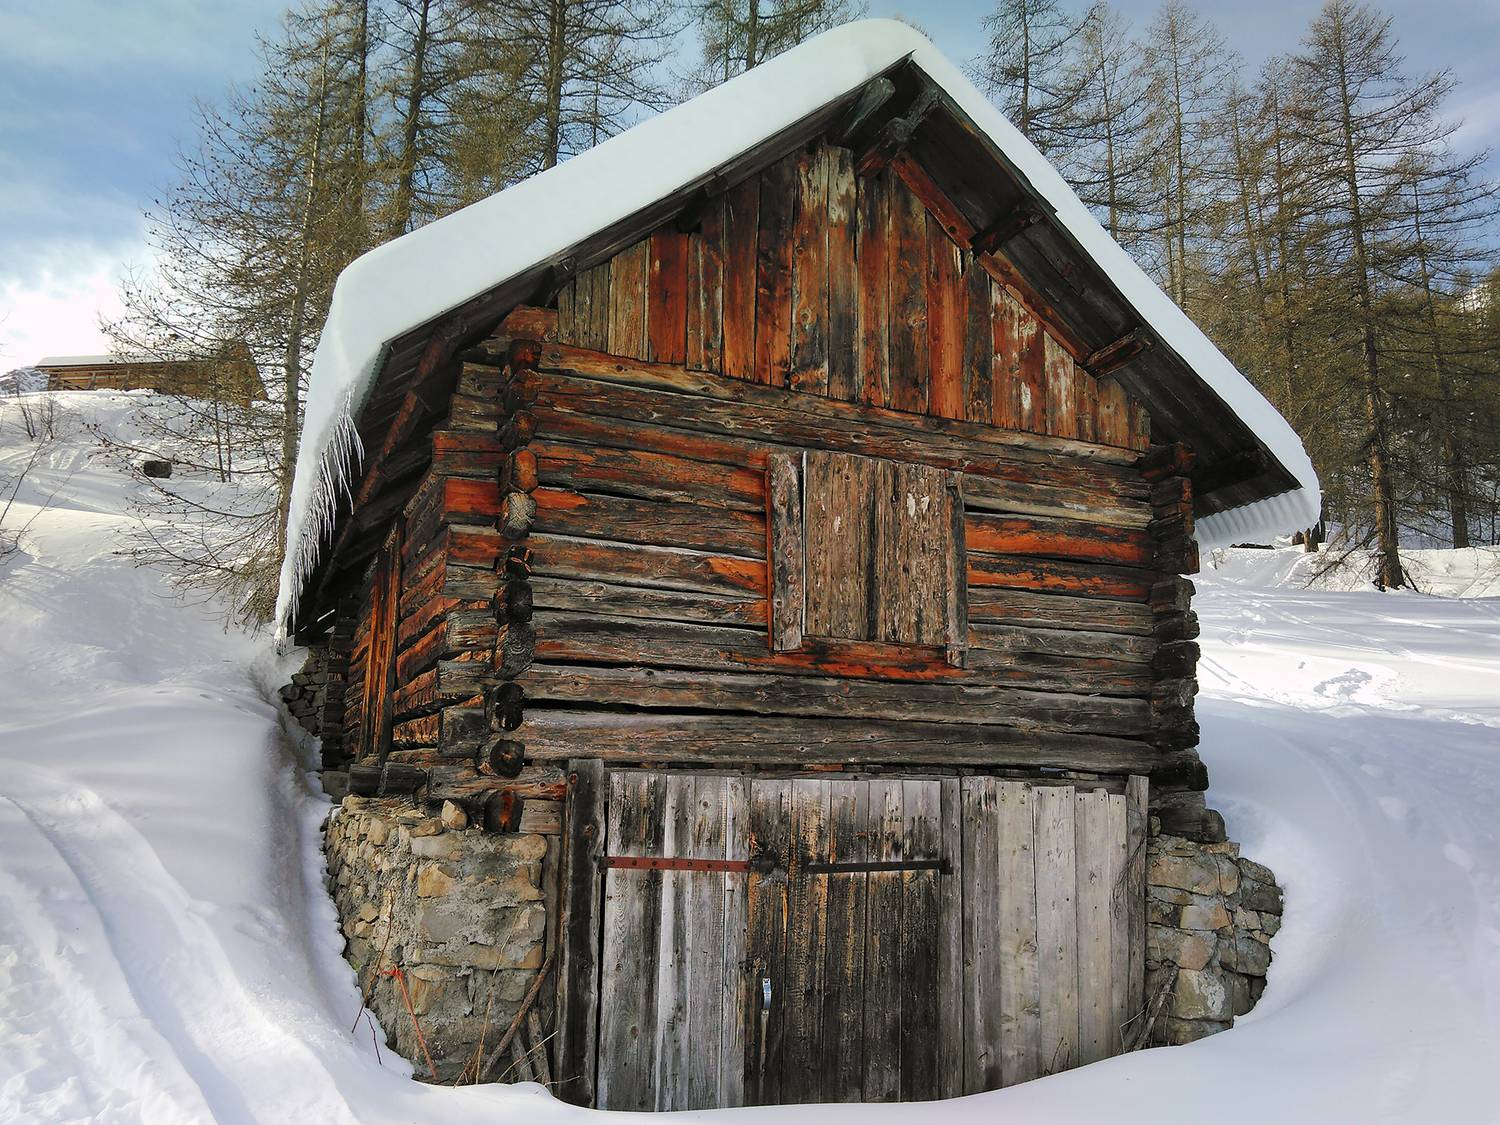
(416, 279)
(83, 360)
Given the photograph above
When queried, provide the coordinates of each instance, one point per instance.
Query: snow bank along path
(411, 280)
(167, 952)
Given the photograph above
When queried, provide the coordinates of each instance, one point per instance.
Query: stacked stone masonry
(457, 913)
(1210, 917)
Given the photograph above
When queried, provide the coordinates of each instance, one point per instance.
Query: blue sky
(97, 95)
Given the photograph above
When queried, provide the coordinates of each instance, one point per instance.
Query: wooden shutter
(865, 549)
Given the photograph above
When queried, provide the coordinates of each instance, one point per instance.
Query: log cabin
(230, 376)
(764, 537)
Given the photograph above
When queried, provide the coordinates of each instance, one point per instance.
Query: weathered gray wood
(787, 551)
(1057, 926)
(842, 1049)
(739, 739)
(883, 1012)
(838, 494)
(1117, 842)
(1093, 904)
(578, 953)
(956, 577)
(765, 946)
(735, 984)
(1020, 996)
(675, 979)
(765, 694)
(621, 600)
(950, 999)
(982, 936)
(913, 553)
(921, 918)
(1137, 802)
(802, 975)
(632, 904)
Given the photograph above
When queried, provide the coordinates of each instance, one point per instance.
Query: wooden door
(672, 971)
(838, 939)
(853, 944)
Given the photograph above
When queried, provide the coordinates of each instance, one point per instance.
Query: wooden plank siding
(847, 287)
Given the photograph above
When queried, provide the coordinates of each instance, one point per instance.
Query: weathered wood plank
(883, 967)
(553, 734)
(912, 549)
(1051, 537)
(994, 605)
(632, 930)
(951, 1030)
(628, 300)
(1061, 388)
(765, 945)
(1117, 842)
(979, 352)
(843, 368)
(809, 348)
(741, 233)
(921, 918)
(561, 557)
(1094, 580)
(622, 600)
(983, 1033)
(873, 297)
(736, 986)
(1020, 987)
(1057, 926)
(841, 1054)
(908, 260)
(581, 887)
(648, 475)
(762, 694)
(786, 551)
(802, 976)
(946, 319)
(705, 291)
(838, 504)
(667, 297)
(657, 523)
(1092, 900)
(1137, 804)
(773, 275)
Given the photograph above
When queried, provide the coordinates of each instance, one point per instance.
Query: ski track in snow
(168, 954)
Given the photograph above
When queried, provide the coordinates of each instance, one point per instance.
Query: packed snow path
(167, 952)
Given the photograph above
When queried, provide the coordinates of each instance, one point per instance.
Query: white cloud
(56, 310)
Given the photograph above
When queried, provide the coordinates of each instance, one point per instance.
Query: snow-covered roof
(417, 278)
(79, 360)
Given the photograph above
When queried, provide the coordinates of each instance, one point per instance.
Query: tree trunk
(411, 125)
(557, 33)
(1389, 570)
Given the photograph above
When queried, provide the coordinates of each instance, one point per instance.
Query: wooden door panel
(672, 976)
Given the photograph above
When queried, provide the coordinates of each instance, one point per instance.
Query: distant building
(231, 376)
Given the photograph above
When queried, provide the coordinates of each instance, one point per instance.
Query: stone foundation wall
(459, 914)
(1210, 917)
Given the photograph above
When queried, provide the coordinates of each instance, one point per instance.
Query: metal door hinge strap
(939, 865)
(663, 863)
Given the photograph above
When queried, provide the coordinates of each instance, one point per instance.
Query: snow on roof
(416, 278)
(78, 360)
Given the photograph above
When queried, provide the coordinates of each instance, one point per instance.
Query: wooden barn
(231, 376)
(767, 546)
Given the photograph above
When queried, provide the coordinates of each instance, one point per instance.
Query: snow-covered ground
(167, 953)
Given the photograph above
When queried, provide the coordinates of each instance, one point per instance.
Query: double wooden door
(859, 939)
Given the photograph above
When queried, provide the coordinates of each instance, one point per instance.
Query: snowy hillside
(1471, 573)
(167, 956)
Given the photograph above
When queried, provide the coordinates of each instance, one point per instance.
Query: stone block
(1201, 994)
(1173, 895)
(1255, 895)
(1239, 994)
(436, 847)
(1229, 875)
(1176, 1032)
(427, 826)
(1186, 950)
(433, 881)
(1211, 916)
(444, 922)
(376, 830)
(1252, 957)
(1259, 872)
(1162, 913)
(1196, 873)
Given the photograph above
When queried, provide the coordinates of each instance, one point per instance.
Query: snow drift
(168, 953)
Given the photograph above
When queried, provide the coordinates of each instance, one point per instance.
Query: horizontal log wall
(810, 276)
